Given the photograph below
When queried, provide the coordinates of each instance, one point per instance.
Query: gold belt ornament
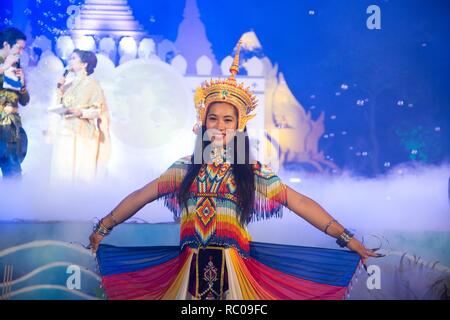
(196, 250)
(9, 115)
(8, 109)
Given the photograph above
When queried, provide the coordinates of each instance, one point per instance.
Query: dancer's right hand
(94, 241)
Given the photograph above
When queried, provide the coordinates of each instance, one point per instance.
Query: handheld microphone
(66, 72)
(18, 66)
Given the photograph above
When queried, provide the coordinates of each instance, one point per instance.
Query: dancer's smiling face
(221, 122)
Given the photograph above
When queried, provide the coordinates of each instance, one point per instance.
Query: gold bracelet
(103, 226)
(328, 224)
(101, 229)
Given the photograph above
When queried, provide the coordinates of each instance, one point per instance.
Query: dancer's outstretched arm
(312, 212)
(128, 207)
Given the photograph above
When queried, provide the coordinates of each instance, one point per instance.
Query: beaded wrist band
(344, 238)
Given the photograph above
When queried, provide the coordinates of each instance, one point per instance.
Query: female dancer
(214, 194)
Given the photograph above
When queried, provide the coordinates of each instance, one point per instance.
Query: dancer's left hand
(363, 252)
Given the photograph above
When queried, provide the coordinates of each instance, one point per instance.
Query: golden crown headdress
(225, 90)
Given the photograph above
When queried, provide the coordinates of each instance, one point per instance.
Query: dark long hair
(89, 58)
(242, 171)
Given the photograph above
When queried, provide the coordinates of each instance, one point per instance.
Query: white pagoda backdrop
(149, 85)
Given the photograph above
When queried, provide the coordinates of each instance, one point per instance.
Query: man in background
(13, 91)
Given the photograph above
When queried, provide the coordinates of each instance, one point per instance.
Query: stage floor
(47, 260)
